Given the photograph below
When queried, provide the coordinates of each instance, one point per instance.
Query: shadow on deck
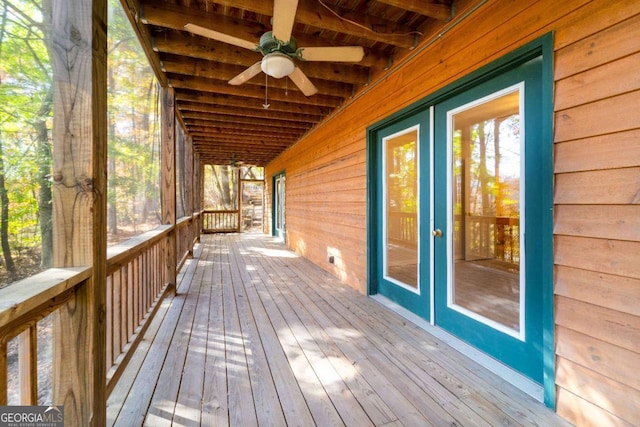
(260, 336)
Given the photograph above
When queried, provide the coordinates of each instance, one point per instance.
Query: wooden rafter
(434, 9)
(225, 120)
(197, 48)
(226, 72)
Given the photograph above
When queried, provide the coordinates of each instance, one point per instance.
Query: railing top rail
(183, 221)
(28, 294)
(116, 254)
(220, 211)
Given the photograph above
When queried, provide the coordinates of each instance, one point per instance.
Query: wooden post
(199, 193)
(168, 177)
(239, 196)
(79, 62)
(189, 191)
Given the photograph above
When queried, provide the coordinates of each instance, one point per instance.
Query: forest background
(26, 120)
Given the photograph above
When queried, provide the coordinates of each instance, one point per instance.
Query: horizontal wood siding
(597, 181)
(597, 221)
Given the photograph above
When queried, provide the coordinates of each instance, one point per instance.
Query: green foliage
(25, 81)
(25, 106)
(133, 96)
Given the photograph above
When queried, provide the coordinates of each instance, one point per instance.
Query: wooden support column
(199, 193)
(239, 196)
(79, 62)
(189, 191)
(168, 177)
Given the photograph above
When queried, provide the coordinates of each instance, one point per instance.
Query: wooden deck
(260, 336)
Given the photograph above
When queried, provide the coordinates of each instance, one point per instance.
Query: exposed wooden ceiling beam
(234, 151)
(233, 148)
(162, 15)
(212, 144)
(236, 101)
(251, 91)
(247, 157)
(193, 118)
(221, 159)
(308, 13)
(201, 48)
(262, 145)
(131, 9)
(248, 112)
(255, 134)
(431, 8)
(226, 72)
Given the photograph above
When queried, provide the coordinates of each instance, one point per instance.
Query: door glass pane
(279, 192)
(401, 208)
(486, 208)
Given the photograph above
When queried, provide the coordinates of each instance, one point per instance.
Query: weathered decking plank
(260, 336)
(215, 409)
(129, 401)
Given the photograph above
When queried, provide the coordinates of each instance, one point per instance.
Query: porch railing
(484, 237)
(136, 282)
(219, 221)
(188, 233)
(136, 285)
(402, 228)
(22, 306)
(490, 237)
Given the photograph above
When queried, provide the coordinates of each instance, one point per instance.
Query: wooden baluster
(28, 365)
(3, 373)
(131, 323)
(109, 325)
(124, 301)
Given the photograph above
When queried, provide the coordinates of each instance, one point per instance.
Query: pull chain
(266, 104)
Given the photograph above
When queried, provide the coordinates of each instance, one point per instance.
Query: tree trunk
(498, 184)
(226, 187)
(4, 198)
(482, 170)
(45, 202)
(112, 195)
(4, 219)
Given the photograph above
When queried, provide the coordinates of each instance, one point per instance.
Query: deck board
(260, 336)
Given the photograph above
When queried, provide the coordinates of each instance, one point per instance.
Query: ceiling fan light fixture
(277, 65)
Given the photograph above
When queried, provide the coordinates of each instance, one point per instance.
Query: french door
(279, 205)
(403, 194)
(488, 264)
(459, 203)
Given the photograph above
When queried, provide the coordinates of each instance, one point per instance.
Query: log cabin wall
(597, 181)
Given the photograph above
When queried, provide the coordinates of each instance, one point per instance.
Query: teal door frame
(517, 348)
(417, 300)
(278, 192)
(543, 47)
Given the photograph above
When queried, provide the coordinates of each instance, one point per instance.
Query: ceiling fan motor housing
(269, 44)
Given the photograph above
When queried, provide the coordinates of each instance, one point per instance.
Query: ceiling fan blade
(284, 14)
(246, 75)
(221, 37)
(333, 54)
(303, 82)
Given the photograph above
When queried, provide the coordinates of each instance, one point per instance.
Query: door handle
(436, 233)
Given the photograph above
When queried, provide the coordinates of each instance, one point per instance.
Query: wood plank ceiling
(229, 123)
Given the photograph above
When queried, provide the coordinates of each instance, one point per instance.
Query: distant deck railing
(136, 284)
(487, 237)
(220, 221)
(402, 228)
(490, 237)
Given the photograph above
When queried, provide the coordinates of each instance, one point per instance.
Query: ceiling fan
(279, 49)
